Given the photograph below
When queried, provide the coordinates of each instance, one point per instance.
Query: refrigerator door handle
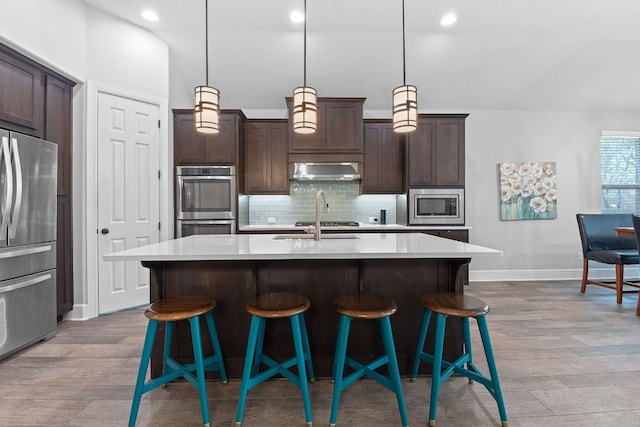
(8, 190)
(16, 207)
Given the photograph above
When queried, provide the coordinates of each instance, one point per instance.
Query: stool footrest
(275, 368)
(368, 370)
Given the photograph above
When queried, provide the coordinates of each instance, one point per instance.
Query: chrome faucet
(317, 235)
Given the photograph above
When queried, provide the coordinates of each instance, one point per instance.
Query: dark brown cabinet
(193, 148)
(21, 93)
(266, 157)
(37, 101)
(339, 128)
(435, 151)
(383, 158)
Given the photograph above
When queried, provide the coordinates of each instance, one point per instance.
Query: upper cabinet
(194, 148)
(266, 157)
(339, 128)
(383, 158)
(21, 93)
(435, 151)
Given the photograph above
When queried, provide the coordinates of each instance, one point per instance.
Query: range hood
(326, 171)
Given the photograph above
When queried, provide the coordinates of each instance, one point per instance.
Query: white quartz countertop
(268, 247)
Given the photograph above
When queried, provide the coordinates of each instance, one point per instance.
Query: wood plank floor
(565, 359)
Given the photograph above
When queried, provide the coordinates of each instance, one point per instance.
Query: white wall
(541, 248)
(50, 31)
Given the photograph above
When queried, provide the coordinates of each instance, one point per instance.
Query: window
(620, 159)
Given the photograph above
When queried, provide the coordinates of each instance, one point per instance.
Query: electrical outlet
(373, 220)
(271, 220)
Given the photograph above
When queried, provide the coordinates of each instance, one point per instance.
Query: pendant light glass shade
(207, 109)
(305, 110)
(405, 108)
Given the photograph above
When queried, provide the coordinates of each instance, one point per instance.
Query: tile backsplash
(345, 204)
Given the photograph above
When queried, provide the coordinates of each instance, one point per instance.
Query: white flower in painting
(505, 192)
(550, 195)
(549, 169)
(539, 189)
(537, 171)
(514, 179)
(525, 169)
(516, 188)
(529, 180)
(503, 179)
(507, 168)
(538, 204)
(548, 182)
(527, 191)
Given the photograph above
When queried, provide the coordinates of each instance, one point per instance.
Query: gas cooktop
(328, 223)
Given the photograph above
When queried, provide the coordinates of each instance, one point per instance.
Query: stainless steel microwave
(436, 206)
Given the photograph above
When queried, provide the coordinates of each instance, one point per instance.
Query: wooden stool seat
(169, 311)
(365, 306)
(277, 305)
(179, 308)
(462, 307)
(452, 304)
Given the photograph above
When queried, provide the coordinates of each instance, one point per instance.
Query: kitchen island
(236, 268)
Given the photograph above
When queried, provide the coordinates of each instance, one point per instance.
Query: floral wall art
(528, 191)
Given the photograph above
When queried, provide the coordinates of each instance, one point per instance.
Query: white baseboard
(80, 312)
(606, 273)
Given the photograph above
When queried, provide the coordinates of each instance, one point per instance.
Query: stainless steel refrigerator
(28, 201)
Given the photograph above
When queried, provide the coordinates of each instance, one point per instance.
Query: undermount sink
(310, 236)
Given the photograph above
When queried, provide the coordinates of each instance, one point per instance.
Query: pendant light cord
(404, 61)
(206, 39)
(305, 44)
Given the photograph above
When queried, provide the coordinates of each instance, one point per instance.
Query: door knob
(104, 231)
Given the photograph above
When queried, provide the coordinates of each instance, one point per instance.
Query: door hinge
(158, 123)
(159, 174)
(158, 226)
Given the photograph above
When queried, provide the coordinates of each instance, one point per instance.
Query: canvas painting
(528, 191)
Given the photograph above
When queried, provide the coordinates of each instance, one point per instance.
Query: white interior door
(128, 196)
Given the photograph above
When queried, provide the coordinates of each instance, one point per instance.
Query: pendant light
(405, 97)
(207, 109)
(305, 99)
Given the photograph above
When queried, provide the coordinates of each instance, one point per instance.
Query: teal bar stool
(366, 307)
(273, 306)
(171, 310)
(446, 304)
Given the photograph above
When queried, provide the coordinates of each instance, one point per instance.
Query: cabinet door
(344, 126)
(436, 152)
(21, 95)
(449, 152)
(266, 158)
(421, 161)
(382, 159)
(57, 127)
(191, 147)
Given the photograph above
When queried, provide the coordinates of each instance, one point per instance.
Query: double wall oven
(205, 200)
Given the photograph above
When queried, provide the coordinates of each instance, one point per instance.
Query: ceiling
(578, 55)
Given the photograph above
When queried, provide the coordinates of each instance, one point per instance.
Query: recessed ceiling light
(149, 15)
(296, 16)
(448, 19)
